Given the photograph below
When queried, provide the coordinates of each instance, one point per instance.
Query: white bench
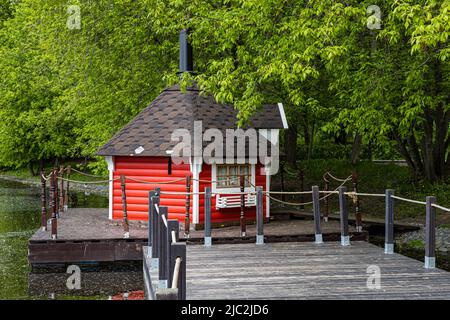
(234, 201)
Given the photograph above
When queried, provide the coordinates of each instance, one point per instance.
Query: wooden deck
(86, 234)
(304, 270)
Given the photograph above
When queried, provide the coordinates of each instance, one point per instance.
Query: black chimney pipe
(186, 64)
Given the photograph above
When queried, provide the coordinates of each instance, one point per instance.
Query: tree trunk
(357, 143)
(290, 145)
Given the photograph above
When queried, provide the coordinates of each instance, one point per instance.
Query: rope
(156, 182)
(440, 207)
(288, 192)
(180, 193)
(364, 194)
(43, 177)
(409, 200)
(163, 218)
(87, 174)
(338, 179)
(174, 237)
(88, 182)
(176, 272)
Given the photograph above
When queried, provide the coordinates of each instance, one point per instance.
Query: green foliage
(64, 92)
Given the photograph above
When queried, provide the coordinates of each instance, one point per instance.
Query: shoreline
(99, 189)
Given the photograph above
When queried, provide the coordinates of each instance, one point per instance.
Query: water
(19, 219)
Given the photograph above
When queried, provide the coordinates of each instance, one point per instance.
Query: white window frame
(215, 189)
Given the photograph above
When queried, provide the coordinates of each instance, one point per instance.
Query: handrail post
(162, 249)
(156, 221)
(343, 210)
(187, 222)
(178, 250)
(172, 225)
(327, 203)
(66, 200)
(54, 232)
(430, 233)
(242, 218)
(259, 216)
(356, 202)
(208, 239)
(61, 189)
(126, 228)
(56, 197)
(316, 209)
(389, 223)
(151, 194)
(43, 202)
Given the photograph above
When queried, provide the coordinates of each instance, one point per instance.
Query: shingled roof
(151, 129)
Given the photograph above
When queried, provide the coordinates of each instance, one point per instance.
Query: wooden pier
(86, 234)
(305, 270)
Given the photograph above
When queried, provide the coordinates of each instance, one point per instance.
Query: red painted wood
(154, 169)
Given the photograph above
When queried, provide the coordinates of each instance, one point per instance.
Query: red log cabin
(142, 151)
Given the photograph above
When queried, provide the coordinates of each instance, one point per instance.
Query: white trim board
(215, 190)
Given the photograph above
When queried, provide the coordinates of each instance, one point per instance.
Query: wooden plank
(307, 271)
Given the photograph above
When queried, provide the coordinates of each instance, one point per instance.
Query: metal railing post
(162, 249)
(430, 233)
(343, 211)
(259, 216)
(178, 250)
(155, 232)
(316, 209)
(389, 223)
(151, 195)
(172, 225)
(208, 239)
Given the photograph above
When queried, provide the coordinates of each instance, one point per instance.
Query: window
(228, 176)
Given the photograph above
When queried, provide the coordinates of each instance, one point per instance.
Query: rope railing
(440, 207)
(409, 200)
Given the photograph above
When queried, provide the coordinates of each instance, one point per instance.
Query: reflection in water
(19, 218)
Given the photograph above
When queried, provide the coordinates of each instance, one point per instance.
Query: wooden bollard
(259, 216)
(43, 202)
(54, 187)
(66, 192)
(61, 190)
(389, 223)
(126, 227)
(326, 200)
(356, 202)
(343, 211)
(430, 233)
(316, 209)
(188, 207)
(242, 217)
(55, 195)
(208, 239)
